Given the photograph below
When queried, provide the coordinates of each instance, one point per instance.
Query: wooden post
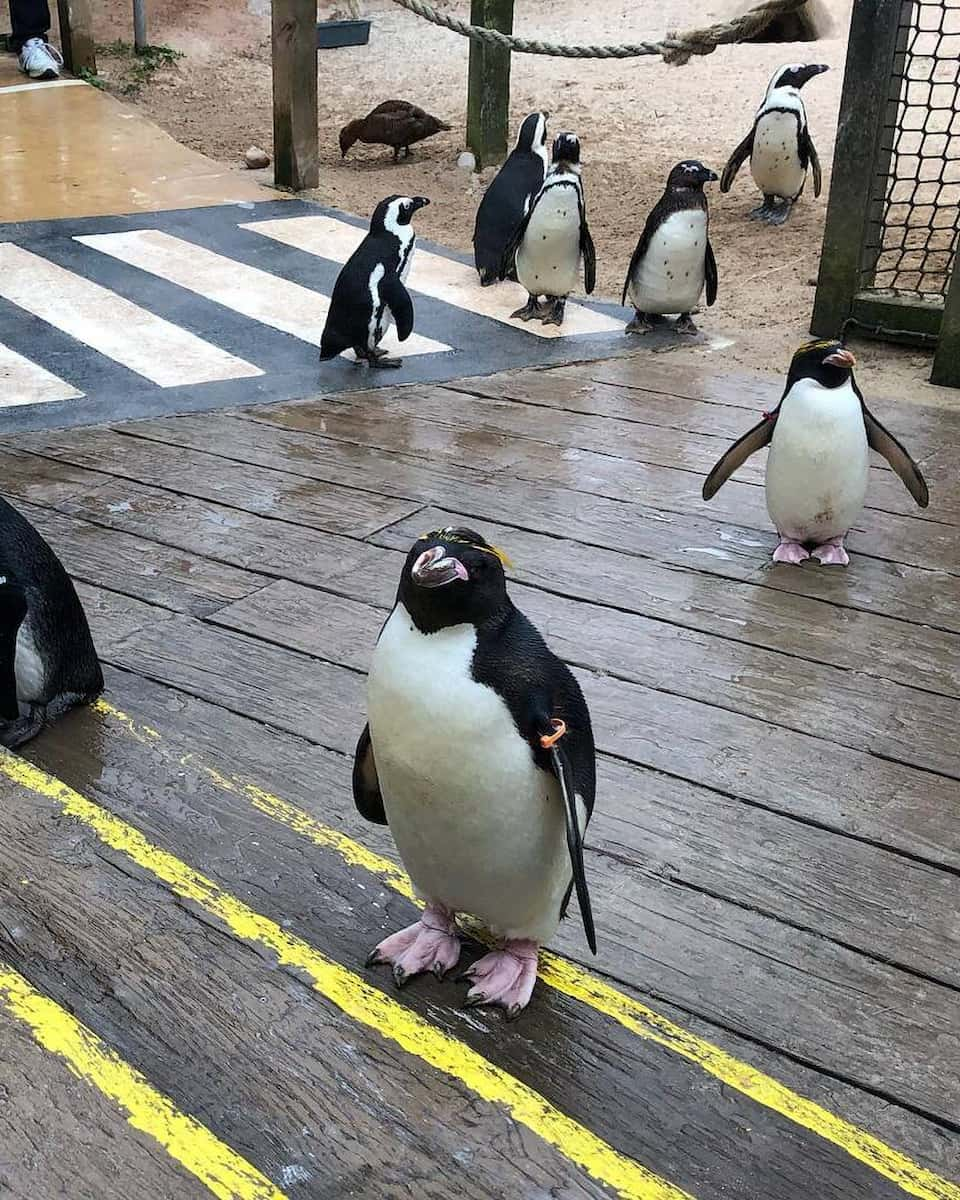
(946, 362)
(862, 153)
(295, 142)
(76, 36)
(488, 92)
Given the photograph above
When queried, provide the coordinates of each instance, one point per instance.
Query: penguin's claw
(380, 362)
(779, 215)
(530, 311)
(831, 553)
(685, 325)
(431, 944)
(504, 977)
(641, 323)
(789, 551)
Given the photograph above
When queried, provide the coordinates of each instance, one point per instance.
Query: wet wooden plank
(114, 617)
(146, 570)
(849, 1014)
(700, 838)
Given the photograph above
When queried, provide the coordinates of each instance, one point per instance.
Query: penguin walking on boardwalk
(479, 754)
(369, 295)
(820, 435)
(548, 244)
(507, 199)
(779, 145)
(48, 663)
(674, 259)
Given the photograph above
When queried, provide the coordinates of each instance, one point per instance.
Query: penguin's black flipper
(814, 161)
(883, 441)
(653, 222)
(13, 608)
(564, 773)
(735, 162)
(513, 244)
(397, 299)
(589, 255)
(753, 440)
(710, 268)
(366, 784)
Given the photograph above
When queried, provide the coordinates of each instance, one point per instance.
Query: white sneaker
(39, 60)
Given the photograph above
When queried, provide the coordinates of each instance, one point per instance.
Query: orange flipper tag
(548, 740)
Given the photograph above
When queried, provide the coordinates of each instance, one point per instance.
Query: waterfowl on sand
(395, 123)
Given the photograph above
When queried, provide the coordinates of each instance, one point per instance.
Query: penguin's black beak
(710, 176)
(435, 567)
(420, 202)
(841, 358)
(813, 69)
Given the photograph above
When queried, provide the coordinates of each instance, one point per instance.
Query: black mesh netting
(912, 238)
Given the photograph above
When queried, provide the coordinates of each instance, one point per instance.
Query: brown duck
(395, 123)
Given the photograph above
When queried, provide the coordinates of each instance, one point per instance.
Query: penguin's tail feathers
(332, 344)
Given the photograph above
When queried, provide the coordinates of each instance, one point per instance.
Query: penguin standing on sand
(548, 244)
(779, 145)
(48, 663)
(673, 259)
(507, 199)
(369, 295)
(479, 755)
(820, 435)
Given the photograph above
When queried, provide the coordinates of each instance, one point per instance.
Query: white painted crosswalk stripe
(25, 382)
(247, 290)
(433, 275)
(112, 325)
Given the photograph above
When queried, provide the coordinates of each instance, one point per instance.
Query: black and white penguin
(779, 145)
(548, 244)
(507, 199)
(479, 755)
(48, 663)
(674, 259)
(369, 295)
(820, 435)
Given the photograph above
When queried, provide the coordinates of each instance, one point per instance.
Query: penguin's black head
(533, 131)
(453, 577)
(828, 362)
(797, 74)
(395, 211)
(566, 149)
(690, 174)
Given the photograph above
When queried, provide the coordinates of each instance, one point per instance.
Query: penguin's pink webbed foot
(430, 944)
(790, 551)
(504, 977)
(831, 553)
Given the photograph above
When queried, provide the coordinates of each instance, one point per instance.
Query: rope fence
(675, 48)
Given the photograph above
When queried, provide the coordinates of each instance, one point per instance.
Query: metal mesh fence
(915, 196)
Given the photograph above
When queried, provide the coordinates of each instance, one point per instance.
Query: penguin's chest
(775, 159)
(381, 318)
(477, 824)
(816, 479)
(548, 261)
(670, 276)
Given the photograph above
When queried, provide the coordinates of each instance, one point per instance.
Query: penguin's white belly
(477, 824)
(670, 276)
(775, 159)
(548, 260)
(28, 667)
(816, 479)
(382, 317)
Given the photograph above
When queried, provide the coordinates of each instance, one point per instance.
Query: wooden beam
(76, 36)
(488, 93)
(946, 362)
(908, 319)
(862, 154)
(295, 143)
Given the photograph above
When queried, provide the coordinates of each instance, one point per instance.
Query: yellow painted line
(579, 984)
(357, 998)
(191, 1144)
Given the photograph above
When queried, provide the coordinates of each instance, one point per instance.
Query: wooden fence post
(946, 361)
(862, 152)
(295, 139)
(488, 92)
(76, 36)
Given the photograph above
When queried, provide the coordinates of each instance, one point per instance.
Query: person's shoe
(40, 60)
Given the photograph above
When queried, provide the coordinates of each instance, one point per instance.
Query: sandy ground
(635, 118)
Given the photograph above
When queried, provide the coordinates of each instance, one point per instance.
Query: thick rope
(676, 48)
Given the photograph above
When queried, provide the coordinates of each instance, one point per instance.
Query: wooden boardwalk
(775, 1010)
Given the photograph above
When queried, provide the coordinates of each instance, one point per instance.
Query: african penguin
(48, 663)
(506, 200)
(817, 468)
(479, 754)
(779, 145)
(673, 259)
(547, 245)
(369, 295)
